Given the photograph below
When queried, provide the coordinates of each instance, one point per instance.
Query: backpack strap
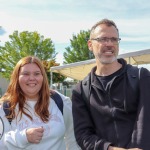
(133, 74)
(6, 106)
(55, 96)
(58, 100)
(85, 92)
(86, 88)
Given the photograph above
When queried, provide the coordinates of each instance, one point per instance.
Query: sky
(61, 19)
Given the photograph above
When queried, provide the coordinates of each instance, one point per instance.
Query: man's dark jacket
(119, 116)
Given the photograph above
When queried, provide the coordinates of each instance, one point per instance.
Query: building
(3, 85)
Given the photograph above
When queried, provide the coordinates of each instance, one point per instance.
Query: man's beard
(105, 60)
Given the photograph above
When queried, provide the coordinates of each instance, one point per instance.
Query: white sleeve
(12, 138)
(16, 139)
(4, 126)
(70, 141)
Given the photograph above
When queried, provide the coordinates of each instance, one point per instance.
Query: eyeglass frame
(103, 40)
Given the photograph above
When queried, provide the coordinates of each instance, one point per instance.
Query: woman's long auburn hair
(15, 95)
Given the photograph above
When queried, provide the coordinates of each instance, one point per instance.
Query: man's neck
(107, 69)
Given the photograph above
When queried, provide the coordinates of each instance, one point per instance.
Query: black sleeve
(141, 134)
(83, 125)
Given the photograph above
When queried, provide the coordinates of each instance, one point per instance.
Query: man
(112, 116)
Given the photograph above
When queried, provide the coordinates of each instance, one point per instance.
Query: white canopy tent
(80, 69)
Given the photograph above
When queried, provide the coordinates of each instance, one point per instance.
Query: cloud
(58, 31)
(59, 20)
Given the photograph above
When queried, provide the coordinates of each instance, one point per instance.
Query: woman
(37, 123)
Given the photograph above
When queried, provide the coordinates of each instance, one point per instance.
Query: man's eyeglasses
(104, 40)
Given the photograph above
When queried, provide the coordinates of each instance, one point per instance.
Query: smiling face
(30, 80)
(105, 52)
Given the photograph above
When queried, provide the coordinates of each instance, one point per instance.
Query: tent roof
(79, 70)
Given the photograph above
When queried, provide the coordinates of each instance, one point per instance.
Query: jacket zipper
(115, 124)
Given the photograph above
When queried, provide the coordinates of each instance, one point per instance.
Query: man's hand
(34, 135)
(117, 148)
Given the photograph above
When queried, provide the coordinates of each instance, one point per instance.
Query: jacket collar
(93, 78)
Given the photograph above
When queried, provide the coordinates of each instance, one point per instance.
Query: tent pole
(51, 80)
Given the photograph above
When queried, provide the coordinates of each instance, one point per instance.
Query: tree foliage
(21, 45)
(56, 76)
(78, 50)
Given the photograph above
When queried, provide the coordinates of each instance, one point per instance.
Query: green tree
(78, 50)
(56, 76)
(21, 45)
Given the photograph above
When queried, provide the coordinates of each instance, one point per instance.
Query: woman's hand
(34, 135)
